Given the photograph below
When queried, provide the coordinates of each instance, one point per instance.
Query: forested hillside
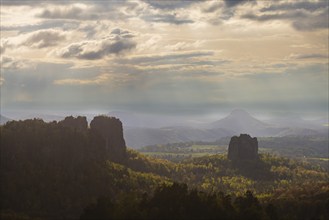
(66, 170)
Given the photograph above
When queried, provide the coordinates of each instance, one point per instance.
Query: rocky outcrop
(79, 123)
(110, 129)
(243, 147)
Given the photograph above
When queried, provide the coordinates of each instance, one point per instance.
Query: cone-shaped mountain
(240, 121)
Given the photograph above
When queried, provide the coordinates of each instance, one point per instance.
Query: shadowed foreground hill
(54, 170)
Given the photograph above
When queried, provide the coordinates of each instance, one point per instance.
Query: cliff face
(80, 123)
(110, 129)
(243, 147)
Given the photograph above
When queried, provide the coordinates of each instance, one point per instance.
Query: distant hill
(139, 137)
(4, 120)
(21, 115)
(297, 131)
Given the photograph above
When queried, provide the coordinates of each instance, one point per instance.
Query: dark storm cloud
(44, 38)
(117, 42)
(167, 18)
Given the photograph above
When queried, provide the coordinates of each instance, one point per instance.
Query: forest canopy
(55, 171)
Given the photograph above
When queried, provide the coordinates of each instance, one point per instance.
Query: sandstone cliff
(243, 147)
(111, 131)
(79, 123)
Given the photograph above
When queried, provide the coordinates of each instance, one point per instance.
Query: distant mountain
(4, 120)
(240, 121)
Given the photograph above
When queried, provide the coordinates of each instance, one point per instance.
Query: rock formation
(79, 123)
(243, 147)
(110, 129)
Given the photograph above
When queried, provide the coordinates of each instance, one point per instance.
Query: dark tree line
(177, 202)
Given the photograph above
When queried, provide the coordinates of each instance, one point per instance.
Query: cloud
(233, 3)
(171, 4)
(44, 38)
(165, 58)
(212, 7)
(47, 24)
(304, 16)
(12, 63)
(122, 33)
(2, 49)
(74, 81)
(23, 2)
(76, 11)
(296, 5)
(93, 10)
(117, 42)
(36, 39)
(275, 16)
(173, 63)
(308, 56)
(13, 3)
(217, 12)
(167, 18)
(317, 21)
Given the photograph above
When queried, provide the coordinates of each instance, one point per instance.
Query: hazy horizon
(130, 118)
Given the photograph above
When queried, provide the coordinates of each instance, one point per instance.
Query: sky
(165, 57)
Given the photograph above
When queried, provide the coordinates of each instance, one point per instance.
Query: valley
(306, 148)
